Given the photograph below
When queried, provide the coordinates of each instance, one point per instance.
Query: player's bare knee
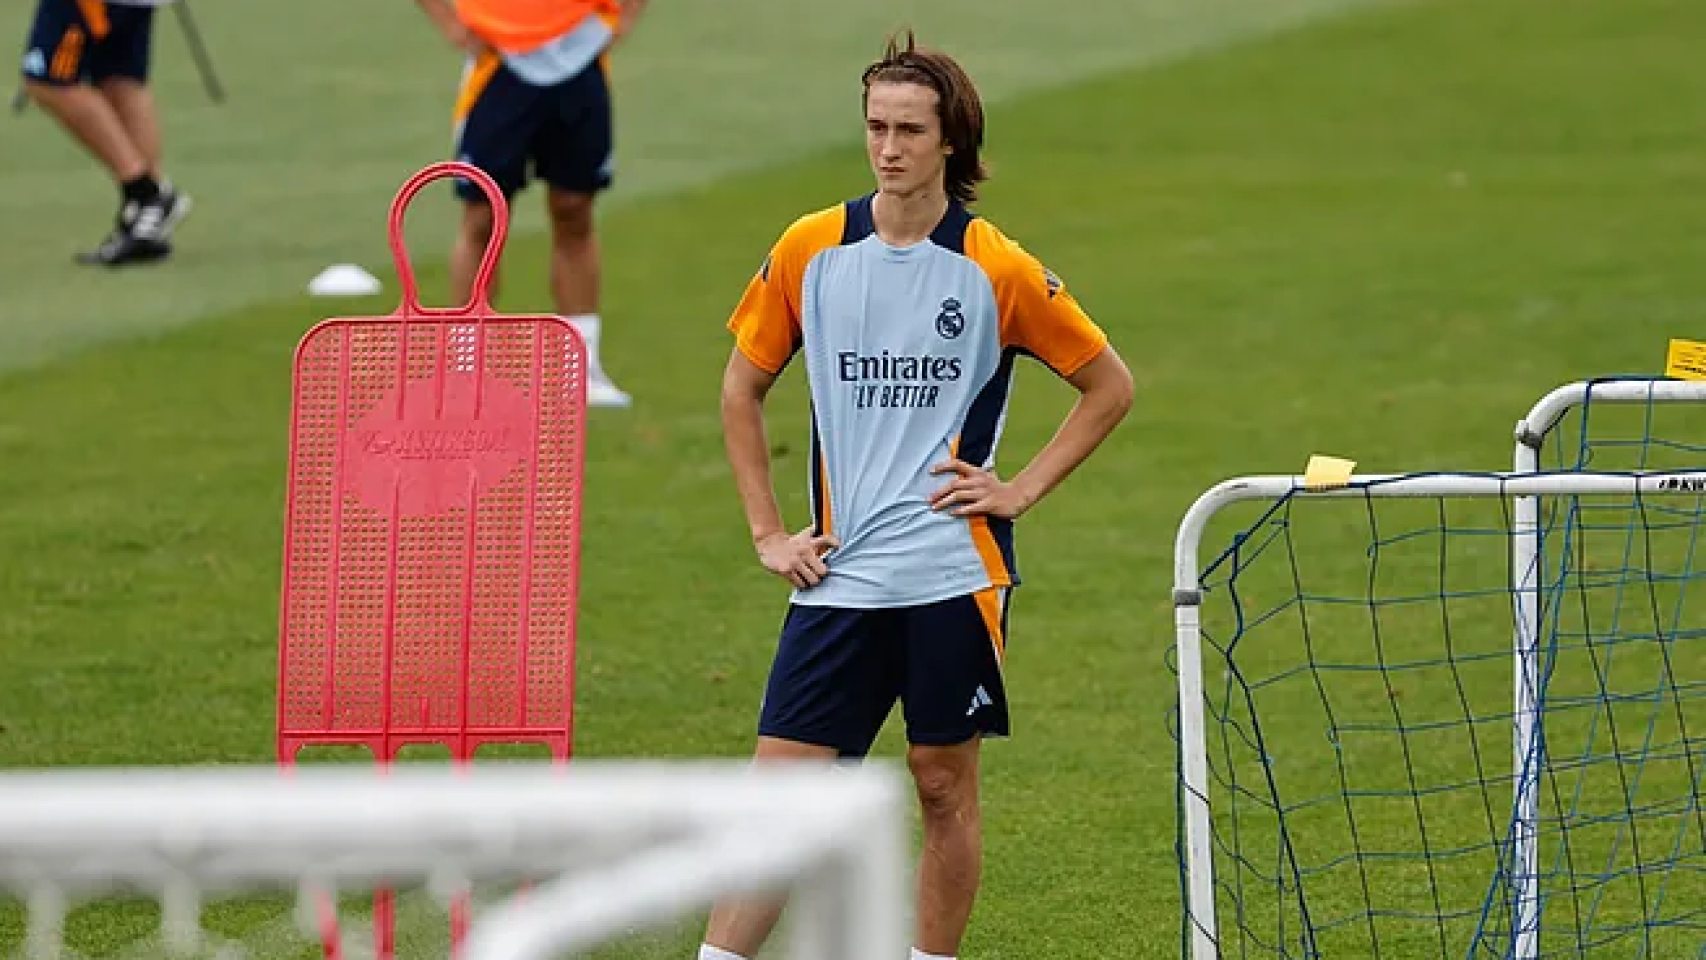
(571, 215)
(946, 779)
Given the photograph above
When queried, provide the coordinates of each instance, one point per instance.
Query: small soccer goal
(584, 855)
(1615, 423)
(1453, 715)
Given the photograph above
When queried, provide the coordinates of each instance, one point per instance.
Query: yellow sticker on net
(1326, 473)
(1686, 360)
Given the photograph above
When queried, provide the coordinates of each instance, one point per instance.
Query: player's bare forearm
(443, 16)
(749, 457)
(438, 11)
(1105, 389)
(745, 386)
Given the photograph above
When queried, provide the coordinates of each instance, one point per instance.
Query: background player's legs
(146, 213)
(126, 89)
(739, 927)
(133, 104)
(573, 153)
(472, 236)
(90, 118)
(575, 279)
(496, 118)
(119, 69)
(151, 207)
(57, 57)
(113, 118)
(952, 861)
(574, 252)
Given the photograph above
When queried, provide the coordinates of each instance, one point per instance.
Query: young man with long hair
(910, 312)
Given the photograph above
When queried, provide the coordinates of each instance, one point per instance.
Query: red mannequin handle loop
(478, 299)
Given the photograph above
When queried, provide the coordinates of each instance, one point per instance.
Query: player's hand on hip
(797, 558)
(464, 39)
(974, 491)
(630, 11)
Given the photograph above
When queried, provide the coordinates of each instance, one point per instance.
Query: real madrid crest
(950, 323)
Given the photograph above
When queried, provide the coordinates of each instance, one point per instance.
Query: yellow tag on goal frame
(1686, 359)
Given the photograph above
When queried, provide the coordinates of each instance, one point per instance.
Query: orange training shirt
(516, 26)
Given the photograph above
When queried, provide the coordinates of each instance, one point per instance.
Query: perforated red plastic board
(432, 530)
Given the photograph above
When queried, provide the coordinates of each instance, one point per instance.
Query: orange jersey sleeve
(766, 323)
(1038, 314)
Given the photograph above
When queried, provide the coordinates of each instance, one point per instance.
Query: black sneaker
(143, 231)
(157, 220)
(122, 248)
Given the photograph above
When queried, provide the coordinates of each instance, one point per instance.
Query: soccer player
(910, 312)
(86, 64)
(536, 94)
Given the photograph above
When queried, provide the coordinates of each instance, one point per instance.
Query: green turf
(1381, 237)
(329, 114)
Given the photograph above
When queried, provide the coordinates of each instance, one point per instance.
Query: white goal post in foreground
(615, 846)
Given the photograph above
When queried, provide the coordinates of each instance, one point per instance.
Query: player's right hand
(463, 38)
(797, 558)
(630, 11)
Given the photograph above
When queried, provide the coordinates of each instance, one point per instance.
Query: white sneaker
(600, 392)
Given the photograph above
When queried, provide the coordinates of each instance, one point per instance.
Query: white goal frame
(1522, 486)
(1527, 562)
(621, 843)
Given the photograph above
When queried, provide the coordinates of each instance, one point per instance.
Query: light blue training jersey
(909, 357)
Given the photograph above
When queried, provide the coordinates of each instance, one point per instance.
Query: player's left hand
(630, 11)
(975, 491)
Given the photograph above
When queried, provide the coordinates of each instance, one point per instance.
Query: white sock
(708, 952)
(588, 324)
(918, 954)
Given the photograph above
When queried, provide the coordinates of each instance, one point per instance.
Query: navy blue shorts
(513, 130)
(838, 672)
(73, 41)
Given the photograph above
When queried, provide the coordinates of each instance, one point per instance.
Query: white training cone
(343, 280)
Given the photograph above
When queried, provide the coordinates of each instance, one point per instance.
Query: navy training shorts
(838, 672)
(513, 130)
(72, 41)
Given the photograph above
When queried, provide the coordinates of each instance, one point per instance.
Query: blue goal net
(1457, 726)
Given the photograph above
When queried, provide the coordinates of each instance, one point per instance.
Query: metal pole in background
(198, 51)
